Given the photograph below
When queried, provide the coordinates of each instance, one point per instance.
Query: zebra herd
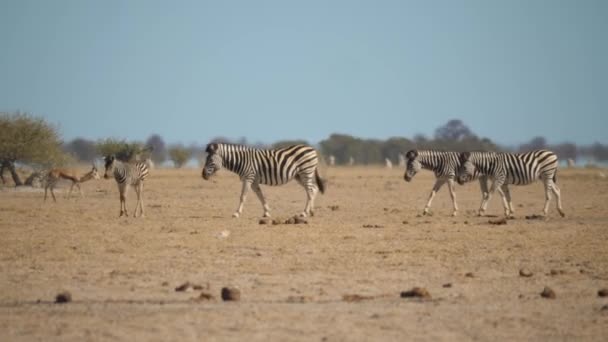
(279, 166)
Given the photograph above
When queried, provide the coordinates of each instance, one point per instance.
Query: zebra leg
(507, 192)
(483, 185)
(122, 189)
(140, 200)
(484, 203)
(244, 191)
(309, 184)
(258, 191)
(505, 203)
(558, 196)
(453, 195)
(438, 184)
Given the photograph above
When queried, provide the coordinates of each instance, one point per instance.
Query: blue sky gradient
(271, 70)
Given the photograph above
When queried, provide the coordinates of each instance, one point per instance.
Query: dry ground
(122, 272)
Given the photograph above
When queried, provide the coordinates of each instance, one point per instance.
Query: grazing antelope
(54, 175)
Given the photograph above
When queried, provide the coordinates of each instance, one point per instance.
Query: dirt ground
(339, 277)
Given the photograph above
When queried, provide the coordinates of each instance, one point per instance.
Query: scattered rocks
(63, 297)
(535, 217)
(416, 292)
(602, 293)
(372, 226)
(355, 298)
(498, 222)
(231, 294)
(292, 220)
(548, 293)
(524, 272)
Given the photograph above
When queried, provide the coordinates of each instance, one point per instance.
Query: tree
(453, 130)
(28, 140)
(159, 149)
(82, 149)
(122, 150)
(287, 143)
(537, 143)
(565, 150)
(179, 155)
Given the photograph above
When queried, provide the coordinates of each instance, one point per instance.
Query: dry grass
(122, 272)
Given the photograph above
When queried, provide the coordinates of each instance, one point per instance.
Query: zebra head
(109, 166)
(413, 165)
(466, 168)
(214, 161)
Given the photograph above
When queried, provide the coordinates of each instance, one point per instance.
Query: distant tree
(28, 140)
(395, 146)
(179, 155)
(287, 143)
(599, 152)
(565, 150)
(453, 130)
(537, 143)
(158, 148)
(82, 149)
(122, 150)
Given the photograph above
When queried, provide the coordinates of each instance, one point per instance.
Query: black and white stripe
(445, 166)
(271, 167)
(126, 175)
(513, 168)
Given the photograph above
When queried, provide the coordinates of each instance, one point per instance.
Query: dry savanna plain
(338, 277)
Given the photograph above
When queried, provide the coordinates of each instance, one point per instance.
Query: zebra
(516, 169)
(445, 166)
(127, 174)
(271, 167)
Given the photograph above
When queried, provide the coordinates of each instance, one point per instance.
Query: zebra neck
(429, 162)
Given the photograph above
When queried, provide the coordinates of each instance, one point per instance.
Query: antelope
(57, 174)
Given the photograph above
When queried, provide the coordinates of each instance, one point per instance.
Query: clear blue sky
(270, 70)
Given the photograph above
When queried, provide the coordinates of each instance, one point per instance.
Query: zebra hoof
(266, 215)
(454, 214)
(236, 215)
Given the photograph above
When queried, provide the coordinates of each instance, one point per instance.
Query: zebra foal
(270, 167)
(445, 166)
(126, 175)
(516, 169)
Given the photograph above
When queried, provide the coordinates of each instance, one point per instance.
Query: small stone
(355, 297)
(447, 285)
(604, 308)
(416, 292)
(164, 283)
(405, 222)
(602, 293)
(290, 220)
(231, 294)
(205, 296)
(276, 222)
(183, 287)
(524, 272)
(63, 297)
(264, 221)
(498, 222)
(300, 220)
(299, 299)
(548, 293)
(469, 275)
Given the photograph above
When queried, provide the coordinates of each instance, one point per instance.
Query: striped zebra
(516, 169)
(127, 174)
(271, 167)
(445, 166)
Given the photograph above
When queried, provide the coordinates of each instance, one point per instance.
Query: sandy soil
(295, 280)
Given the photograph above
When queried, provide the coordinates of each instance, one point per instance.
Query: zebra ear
(211, 148)
(464, 156)
(411, 154)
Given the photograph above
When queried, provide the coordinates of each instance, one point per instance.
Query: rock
(264, 221)
(498, 222)
(604, 308)
(535, 217)
(372, 226)
(548, 293)
(184, 287)
(334, 207)
(290, 220)
(602, 293)
(447, 285)
(205, 296)
(469, 275)
(300, 220)
(405, 222)
(556, 272)
(416, 292)
(63, 297)
(355, 297)
(524, 272)
(276, 222)
(231, 294)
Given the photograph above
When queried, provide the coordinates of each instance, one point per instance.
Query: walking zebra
(445, 166)
(271, 167)
(127, 174)
(512, 168)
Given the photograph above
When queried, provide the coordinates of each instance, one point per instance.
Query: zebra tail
(320, 182)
